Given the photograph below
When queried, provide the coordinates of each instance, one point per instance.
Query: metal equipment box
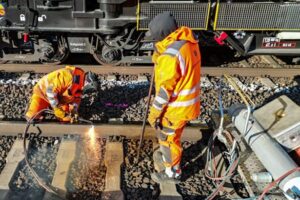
(281, 119)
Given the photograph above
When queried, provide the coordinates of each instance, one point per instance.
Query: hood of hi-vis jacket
(60, 87)
(177, 62)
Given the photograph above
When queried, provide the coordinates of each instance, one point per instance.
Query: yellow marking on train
(138, 16)
(207, 16)
(255, 29)
(216, 16)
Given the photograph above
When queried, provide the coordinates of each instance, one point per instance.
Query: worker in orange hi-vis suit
(61, 90)
(177, 62)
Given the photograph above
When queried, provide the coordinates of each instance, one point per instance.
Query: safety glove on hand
(74, 112)
(154, 118)
(73, 108)
(61, 114)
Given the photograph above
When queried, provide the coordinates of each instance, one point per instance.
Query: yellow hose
(246, 99)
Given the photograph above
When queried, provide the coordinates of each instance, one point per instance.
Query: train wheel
(60, 54)
(108, 56)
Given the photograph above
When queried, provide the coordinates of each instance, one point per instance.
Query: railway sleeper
(13, 159)
(114, 156)
(66, 155)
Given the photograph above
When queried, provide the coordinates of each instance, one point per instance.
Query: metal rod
(145, 117)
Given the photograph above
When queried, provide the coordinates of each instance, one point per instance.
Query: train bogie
(112, 30)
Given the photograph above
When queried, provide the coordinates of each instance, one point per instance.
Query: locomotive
(47, 31)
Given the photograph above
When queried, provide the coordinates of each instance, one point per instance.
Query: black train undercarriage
(47, 31)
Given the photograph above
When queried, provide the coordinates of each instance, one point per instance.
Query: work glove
(74, 118)
(154, 118)
(74, 112)
(61, 114)
(73, 108)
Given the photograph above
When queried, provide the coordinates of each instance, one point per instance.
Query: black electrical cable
(233, 161)
(41, 182)
(48, 187)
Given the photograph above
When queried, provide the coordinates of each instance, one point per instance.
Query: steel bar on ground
(212, 71)
(101, 130)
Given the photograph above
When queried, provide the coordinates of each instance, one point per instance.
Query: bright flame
(92, 136)
(92, 144)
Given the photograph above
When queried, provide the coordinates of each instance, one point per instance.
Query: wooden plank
(65, 156)
(14, 157)
(114, 157)
(168, 191)
(266, 82)
(270, 60)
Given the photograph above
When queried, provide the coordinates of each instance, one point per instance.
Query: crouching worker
(61, 90)
(177, 62)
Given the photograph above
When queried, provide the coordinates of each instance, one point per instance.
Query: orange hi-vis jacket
(177, 62)
(61, 87)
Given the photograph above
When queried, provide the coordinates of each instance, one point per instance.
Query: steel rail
(101, 130)
(135, 70)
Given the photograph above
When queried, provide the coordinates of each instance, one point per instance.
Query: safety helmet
(90, 82)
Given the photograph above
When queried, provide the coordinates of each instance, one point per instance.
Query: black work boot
(158, 161)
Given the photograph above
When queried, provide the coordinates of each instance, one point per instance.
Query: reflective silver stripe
(175, 52)
(168, 131)
(166, 151)
(184, 103)
(156, 107)
(50, 94)
(171, 51)
(163, 93)
(181, 64)
(177, 44)
(53, 102)
(186, 91)
(160, 100)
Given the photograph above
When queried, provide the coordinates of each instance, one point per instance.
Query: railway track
(69, 142)
(114, 174)
(264, 70)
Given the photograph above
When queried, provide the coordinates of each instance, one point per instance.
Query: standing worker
(177, 62)
(61, 90)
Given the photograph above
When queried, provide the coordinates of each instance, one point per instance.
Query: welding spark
(91, 134)
(92, 145)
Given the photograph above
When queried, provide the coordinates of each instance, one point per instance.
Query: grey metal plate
(257, 16)
(281, 119)
(193, 15)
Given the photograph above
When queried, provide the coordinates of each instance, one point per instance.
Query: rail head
(136, 70)
(101, 130)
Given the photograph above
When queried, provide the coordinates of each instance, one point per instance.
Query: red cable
(221, 185)
(277, 180)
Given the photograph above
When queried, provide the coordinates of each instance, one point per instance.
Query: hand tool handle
(145, 116)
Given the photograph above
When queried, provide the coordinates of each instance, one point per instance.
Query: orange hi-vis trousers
(169, 139)
(37, 104)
